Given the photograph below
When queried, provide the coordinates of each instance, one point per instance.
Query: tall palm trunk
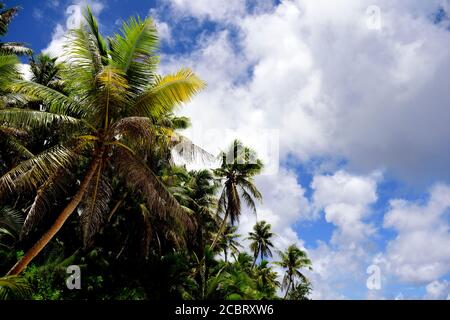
(256, 256)
(64, 215)
(221, 229)
(288, 287)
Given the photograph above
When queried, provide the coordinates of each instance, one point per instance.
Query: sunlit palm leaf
(133, 50)
(167, 93)
(26, 119)
(17, 48)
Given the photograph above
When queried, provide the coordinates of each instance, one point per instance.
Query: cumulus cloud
(331, 85)
(346, 201)
(420, 253)
(334, 88)
(438, 290)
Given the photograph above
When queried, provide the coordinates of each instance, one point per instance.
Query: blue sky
(361, 107)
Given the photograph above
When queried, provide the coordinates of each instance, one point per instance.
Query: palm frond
(167, 93)
(6, 17)
(139, 178)
(32, 173)
(17, 48)
(52, 188)
(93, 26)
(95, 206)
(28, 119)
(11, 222)
(58, 102)
(133, 51)
(8, 68)
(13, 287)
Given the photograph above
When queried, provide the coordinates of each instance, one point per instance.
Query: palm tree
(239, 166)
(46, 71)
(261, 240)
(301, 291)
(293, 260)
(229, 241)
(113, 119)
(7, 48)
(266, 278)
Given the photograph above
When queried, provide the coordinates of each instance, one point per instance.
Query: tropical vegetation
(89, 177)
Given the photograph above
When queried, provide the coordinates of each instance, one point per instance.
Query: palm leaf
(167, 92)
(95, 206)
(11, 222)
(46, 195)
(27, 119)
(6, 17)
(32, 173)
(133, 52)
(58, 102)
(13, 287)
(17, 48)
(139, 178)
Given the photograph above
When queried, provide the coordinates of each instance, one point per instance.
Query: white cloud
(25, 70)
(332, 86)
(346, 201)
(74, 18)
(438, 290)
(421, 251)
(335, 89)
(211, 9)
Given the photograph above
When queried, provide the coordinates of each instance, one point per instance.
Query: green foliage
(144, 227)
(14, 288)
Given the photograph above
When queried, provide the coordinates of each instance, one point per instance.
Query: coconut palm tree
(261, 240)
(14, 48)
(113, 116)
(238, 167)
(46, 71)
(293, 260)
(229, 242)
(266, 279)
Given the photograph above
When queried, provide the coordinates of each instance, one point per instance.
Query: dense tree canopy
(88, 178)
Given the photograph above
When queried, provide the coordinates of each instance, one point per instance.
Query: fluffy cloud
(74, 18)
(438, 290)
(346, 201)
(207, 9)
(333, 86)
(421, 251)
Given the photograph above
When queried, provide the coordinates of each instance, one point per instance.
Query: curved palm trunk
(64, 215)
(221, 229)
